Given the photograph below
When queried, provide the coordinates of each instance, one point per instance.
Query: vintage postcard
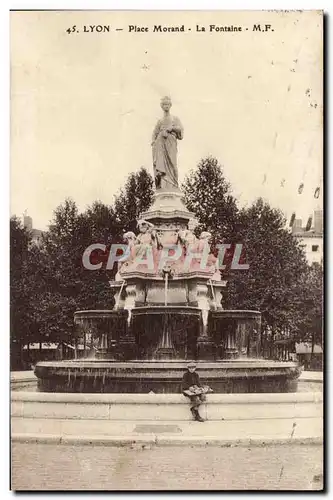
(167, 249)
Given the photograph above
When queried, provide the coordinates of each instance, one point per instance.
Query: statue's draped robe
(165, 150)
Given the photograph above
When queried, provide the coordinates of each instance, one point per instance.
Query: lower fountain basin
(98, 376)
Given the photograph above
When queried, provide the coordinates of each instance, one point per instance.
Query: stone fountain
(168, 309)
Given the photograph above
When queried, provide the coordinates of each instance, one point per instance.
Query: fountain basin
(163, 338)
(137, 376)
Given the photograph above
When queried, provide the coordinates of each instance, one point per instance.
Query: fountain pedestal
(106, 349)
(231, 353)
(205, 344)
(206, 348)
(165, 349)
(165, 353)
(128, 348)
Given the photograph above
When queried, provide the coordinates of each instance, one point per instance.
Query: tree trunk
(75, 348)
(312, 347)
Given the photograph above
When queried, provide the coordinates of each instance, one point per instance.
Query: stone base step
(165, 407)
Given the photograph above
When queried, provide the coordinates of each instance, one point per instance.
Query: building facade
(36, 234)
(311, 240)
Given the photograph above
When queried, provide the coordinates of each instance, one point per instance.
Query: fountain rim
(236, 313)
(248, 363)
(83, 314)
(158, 309)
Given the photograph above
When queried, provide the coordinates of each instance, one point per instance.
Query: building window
(315, 248)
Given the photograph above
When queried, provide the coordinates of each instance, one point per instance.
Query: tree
(208, 196)
(273, 282)
(58, 277)
(107, 225)
(62, 285)
(135, 198)
(100, 225)
(66, 285)
(49, 283)
(21, 306)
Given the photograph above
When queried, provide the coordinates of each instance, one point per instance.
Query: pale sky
(84, 105)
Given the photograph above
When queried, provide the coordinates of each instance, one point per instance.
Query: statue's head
(144, 225)
(129, 236)
(205, 235)
(192, 224)
(166, 103)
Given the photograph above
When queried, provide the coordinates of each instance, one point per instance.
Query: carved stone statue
(212, 262)
(164, 144)
(188, 238)
(205, 239)
(147, 237)
(129, 239)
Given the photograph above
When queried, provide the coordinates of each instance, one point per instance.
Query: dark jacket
(190, 379)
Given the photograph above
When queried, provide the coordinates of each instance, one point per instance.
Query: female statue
(164, 143)
(146, 238)
(129, 239)
(209, 258)
(188, 238)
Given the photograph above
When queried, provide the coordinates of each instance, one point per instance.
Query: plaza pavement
(144, 468)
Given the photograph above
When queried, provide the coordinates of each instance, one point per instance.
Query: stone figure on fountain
(146, 241)
(187, 238)
(204, 248)
(205, 239)
(146, 238)
(129, 239)
(168, 130)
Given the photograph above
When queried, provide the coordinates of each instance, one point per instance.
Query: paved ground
(54, 467)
